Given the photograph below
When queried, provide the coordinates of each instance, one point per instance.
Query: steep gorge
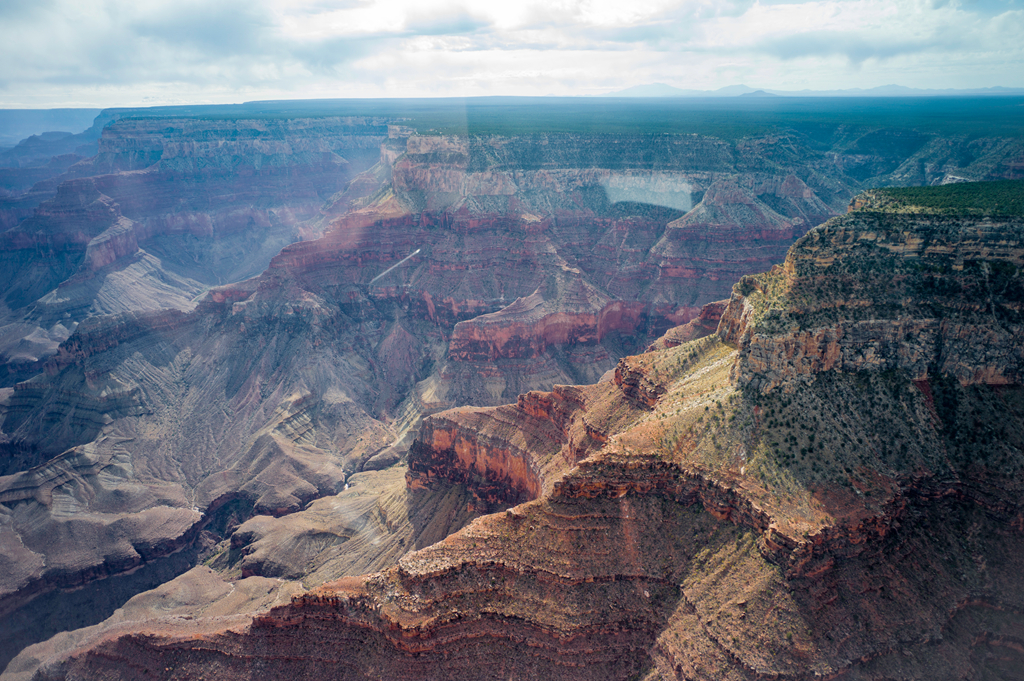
(536, 260)
(691, 520)
(165, 210)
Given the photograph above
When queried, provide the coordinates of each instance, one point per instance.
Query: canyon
(409, 400)
(659, 523)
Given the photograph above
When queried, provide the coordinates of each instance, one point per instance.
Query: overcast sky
(97, 53)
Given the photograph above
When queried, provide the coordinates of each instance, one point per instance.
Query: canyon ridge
(359, 392)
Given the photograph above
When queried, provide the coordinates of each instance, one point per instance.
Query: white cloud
(120, 52)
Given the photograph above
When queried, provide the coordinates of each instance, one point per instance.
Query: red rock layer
(504, 455)
(608, 582)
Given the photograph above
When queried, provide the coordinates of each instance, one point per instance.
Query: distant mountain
(663, 90)
(902, 91)
(17, 124)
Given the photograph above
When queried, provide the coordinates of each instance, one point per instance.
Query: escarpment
(510, 454)
(519, 452)
(700, 326)
(924, 294)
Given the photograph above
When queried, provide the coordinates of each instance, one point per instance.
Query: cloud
(329, 55)
(226, 28)
(449, 21)
(121, 51)
(857, 48)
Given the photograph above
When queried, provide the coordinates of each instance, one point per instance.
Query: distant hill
(664, 90)
(17, 124)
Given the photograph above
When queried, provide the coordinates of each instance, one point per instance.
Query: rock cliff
(923, 294)
(450, 271)
(166, 209)
(693, 519)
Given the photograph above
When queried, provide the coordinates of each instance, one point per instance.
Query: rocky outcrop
(118, 541)
(567, 311)
(879, 291)
(510, 454)
(730, 231)
(600, 585)
(635, 382)
(80, 228)
(704, 324)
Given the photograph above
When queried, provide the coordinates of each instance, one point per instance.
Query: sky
(99, 53)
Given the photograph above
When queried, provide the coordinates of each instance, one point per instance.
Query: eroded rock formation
(166, 209)
(855, 523)
(922, 294)
(455, 270)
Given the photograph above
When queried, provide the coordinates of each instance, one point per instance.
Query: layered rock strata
(704, 324)
(858, 524)
(511, 454)
(311, 361)
(926, 295)
(167, 209)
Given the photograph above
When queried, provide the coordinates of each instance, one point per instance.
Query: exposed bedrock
(585, 264)
(609, 588)
(514, 453)
(683, 525)
(213, 178)
(167, 209)
(566, 310)
(504, 455)
(51, 246)
(605, 617)
(121, 389)
(731, 231)
(926, 295)
(704, 324)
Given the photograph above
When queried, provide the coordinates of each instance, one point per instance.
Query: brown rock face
(567, 311)
(731, 230)
(510, 454)
(879, 292)
(704, 324)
